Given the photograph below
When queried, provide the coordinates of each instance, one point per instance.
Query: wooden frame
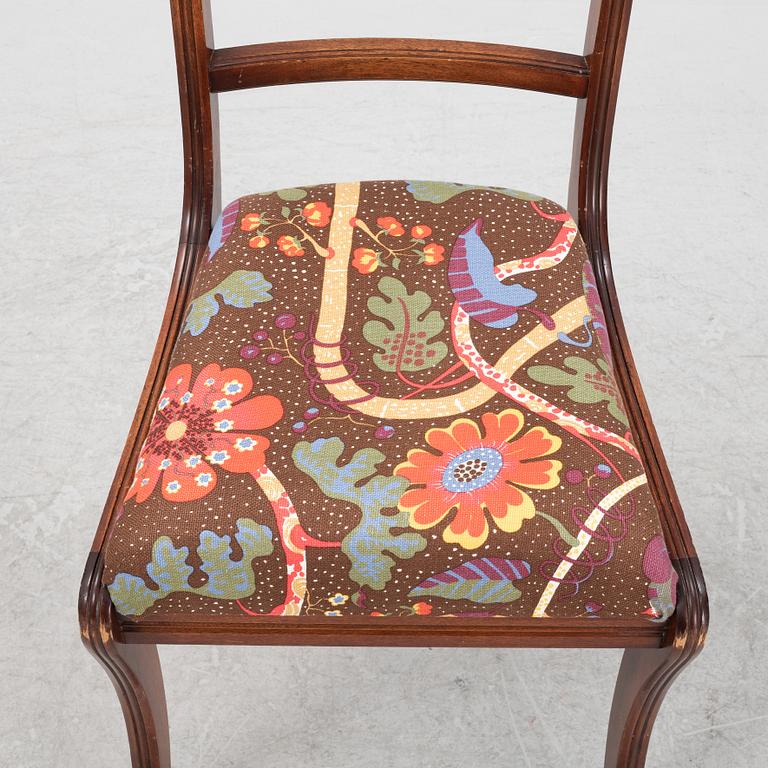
(655, 653)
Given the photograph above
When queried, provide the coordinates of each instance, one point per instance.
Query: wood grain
(371, 58)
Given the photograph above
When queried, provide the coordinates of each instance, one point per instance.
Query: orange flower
(316, 214)
(433, 254)
(391, 225)
(290, 246)
(260, 241)
(474, 474)
(422, 609)
(420, 231)
(250, 222)
(199, 429)
(365, 260)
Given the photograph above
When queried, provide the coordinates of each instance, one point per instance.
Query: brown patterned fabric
(391, 398)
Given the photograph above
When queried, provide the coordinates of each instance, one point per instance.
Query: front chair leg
(135, 672)
(644, 677)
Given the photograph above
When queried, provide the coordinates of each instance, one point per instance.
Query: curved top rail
(371, 58)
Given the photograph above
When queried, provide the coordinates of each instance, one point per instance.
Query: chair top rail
(371, 58)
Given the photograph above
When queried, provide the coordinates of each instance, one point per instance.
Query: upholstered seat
(391, 398)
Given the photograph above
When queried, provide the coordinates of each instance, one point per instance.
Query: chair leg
(136, 675)
(644, 678)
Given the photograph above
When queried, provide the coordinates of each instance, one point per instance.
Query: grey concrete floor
(90, 189)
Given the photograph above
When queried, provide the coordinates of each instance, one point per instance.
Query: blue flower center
(472, 469)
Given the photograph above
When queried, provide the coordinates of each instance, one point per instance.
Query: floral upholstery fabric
(391, 399)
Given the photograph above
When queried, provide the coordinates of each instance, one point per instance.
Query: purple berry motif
(274, 358)
(384, 433)
(250, 351)
(260, 335)
(603, 471)
(299, 335)
(311, 413)
(574, 476)
(285, 321)
(300, 426)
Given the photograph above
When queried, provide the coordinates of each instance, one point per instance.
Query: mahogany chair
(658, 641)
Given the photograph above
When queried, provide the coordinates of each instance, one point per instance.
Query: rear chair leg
(135, 672)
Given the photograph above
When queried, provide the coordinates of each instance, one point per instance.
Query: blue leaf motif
(371, 546)
(241, 289)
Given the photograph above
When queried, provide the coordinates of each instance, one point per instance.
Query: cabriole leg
(644, 678)
(135, 673)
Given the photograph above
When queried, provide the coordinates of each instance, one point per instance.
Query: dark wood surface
(404, 632)
(372, 58)
(135, 673)
(655, 653)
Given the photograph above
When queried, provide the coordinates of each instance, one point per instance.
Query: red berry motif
(285, 321)
(250, 351)
(574, 476)
(274, 358)
(384, 432)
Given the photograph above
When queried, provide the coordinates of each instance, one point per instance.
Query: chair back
(591, 77)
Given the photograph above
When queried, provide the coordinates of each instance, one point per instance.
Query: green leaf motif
(169, 569)
(663, 599)
(241, 289)
(228, 579)
(587, 383)
(440, 191)
(371, 545)
(405, 337)
(130, 595)
(482, 580)
(291, 194)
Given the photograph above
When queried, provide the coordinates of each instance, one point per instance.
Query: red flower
(365, 260)
(420, 231)
(317, 214)
(391, 225)
(260, 241)
(422, 609)
(473, 475)
(195, 429)
(250, 222)
(290, 246)
(433, 254)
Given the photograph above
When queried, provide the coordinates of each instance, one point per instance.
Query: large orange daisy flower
(474, 474)
(199, 427)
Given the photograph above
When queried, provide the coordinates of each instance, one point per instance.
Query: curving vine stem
(294, 541)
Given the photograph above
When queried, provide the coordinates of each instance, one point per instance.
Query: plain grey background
(90, 194)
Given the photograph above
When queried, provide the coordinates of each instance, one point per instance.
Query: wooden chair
(655, 652)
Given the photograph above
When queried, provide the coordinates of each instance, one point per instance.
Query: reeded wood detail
(371, 58)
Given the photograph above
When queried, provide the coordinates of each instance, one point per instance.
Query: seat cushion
(391, 398)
